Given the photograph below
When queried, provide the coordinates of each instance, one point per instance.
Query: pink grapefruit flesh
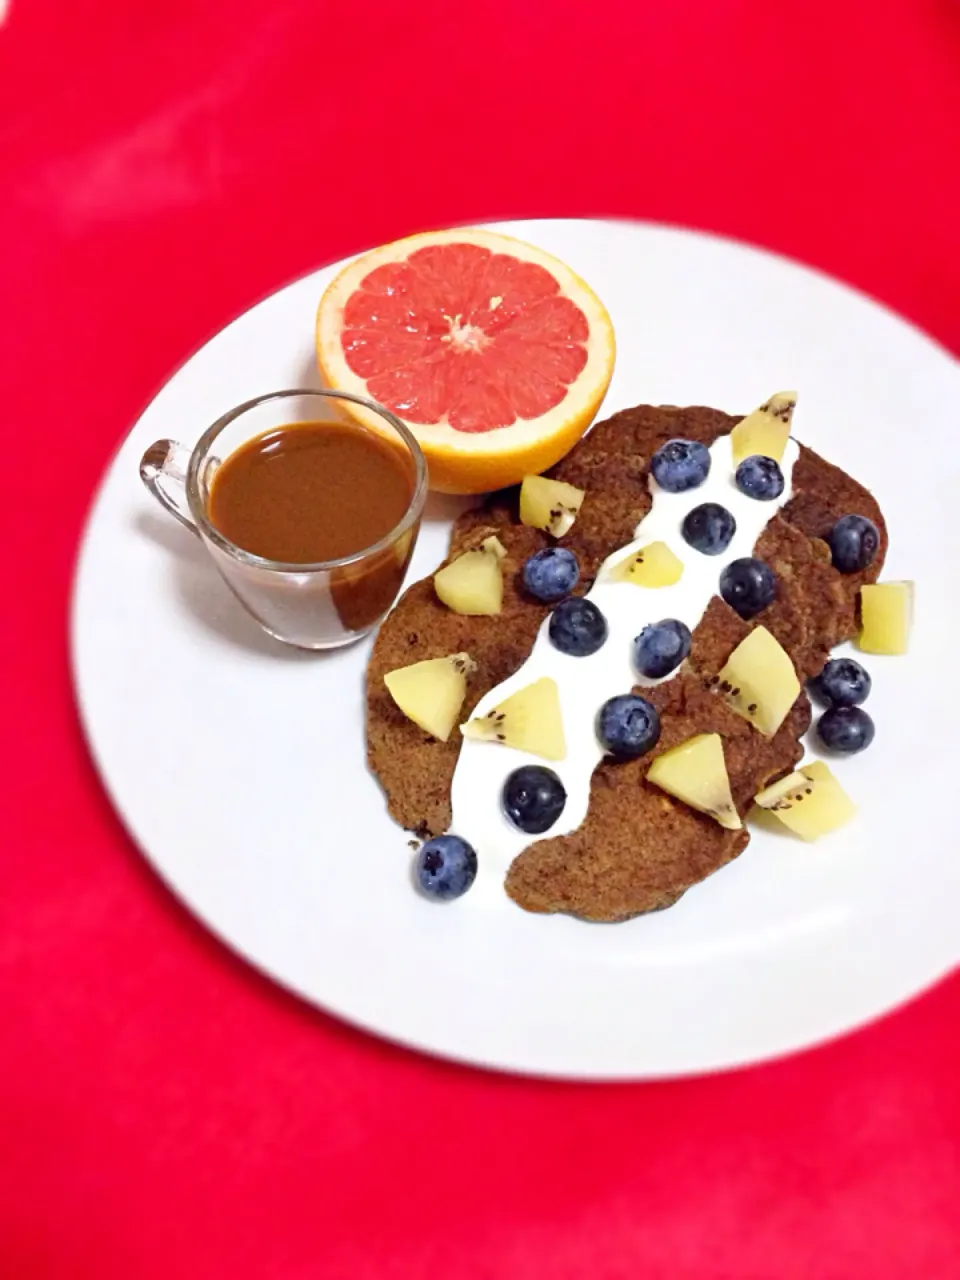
(457, 332)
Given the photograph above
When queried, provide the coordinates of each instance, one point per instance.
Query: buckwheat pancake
(638, 849)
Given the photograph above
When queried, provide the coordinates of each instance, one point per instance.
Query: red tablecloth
(164, 1112)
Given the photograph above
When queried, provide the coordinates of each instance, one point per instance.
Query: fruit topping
(709, 528)
(845, 729)
(759, 477)
(842, 683)
(748, 585)
(680, 465)
(696, 773)
(551, 574)
(652, 566)
(577, 627)
(529, 720)
(765, 432)
(661, 647)
(886, 616)
(628, 726)
(811, 802)
(759, 681)
(533, 798)
(446, 867)
(854, 542)
(473, 583)
(550, 505)
(431, 693)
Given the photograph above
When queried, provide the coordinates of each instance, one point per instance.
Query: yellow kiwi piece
(654, 565)
(766, 430)
(696, 773)
(551, 505)
(473, 583)
(431, 693)
(759, 681)
(886, 616)
(529, 720)
(810, 802)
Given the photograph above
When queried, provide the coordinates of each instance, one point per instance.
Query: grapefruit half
(495, 354)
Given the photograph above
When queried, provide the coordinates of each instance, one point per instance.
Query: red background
(164, 1111)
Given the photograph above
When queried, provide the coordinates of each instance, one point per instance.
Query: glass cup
(313, 606)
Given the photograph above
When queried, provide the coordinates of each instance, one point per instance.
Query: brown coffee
(311, 491)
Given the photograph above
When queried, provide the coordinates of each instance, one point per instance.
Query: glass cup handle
(163, 469)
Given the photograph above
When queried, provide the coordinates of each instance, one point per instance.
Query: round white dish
(238, 765)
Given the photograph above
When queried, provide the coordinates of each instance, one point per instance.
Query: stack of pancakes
(638, 849)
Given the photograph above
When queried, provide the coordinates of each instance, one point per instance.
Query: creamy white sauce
(584, 684)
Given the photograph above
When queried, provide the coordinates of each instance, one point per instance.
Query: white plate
(238, 766)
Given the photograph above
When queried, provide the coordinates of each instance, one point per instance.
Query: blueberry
(842, 683)
(533, 798)
(551, 574)
(845, 729)
(628, 726)
(709, 528)
(446, 867)
(854, 543)
(759, 477)
(577, 627)
(661, 647)
(748, 585)
(680, 465)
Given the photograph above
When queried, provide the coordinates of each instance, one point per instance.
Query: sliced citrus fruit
(494, 353)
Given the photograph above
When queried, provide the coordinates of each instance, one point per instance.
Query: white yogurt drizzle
(584, 684)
